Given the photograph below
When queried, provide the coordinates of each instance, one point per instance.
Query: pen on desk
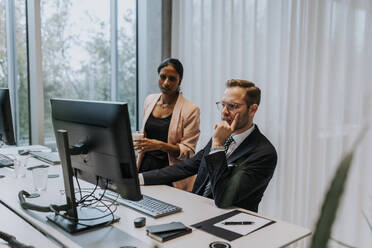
(238, 222)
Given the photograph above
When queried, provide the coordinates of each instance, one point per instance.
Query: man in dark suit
(235, 167)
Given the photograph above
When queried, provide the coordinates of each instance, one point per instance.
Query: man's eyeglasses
(231, 107)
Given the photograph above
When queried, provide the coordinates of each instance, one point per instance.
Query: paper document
(251, 223)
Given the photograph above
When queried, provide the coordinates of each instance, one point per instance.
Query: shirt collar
(239, 138)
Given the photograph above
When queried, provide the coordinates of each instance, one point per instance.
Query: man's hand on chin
(223, 130)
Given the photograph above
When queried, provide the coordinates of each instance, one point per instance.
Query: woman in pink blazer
(170, 124)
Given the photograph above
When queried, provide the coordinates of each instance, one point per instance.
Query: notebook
(165, 232)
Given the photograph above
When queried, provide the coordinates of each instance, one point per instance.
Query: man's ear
(254, 108)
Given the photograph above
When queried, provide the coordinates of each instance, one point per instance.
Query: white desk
(14, 225)
(195, 209)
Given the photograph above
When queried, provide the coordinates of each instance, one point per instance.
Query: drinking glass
(20, 166)
(40, 176)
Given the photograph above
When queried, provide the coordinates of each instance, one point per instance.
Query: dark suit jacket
(238, 181)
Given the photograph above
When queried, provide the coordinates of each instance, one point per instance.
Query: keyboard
(47, 157)
(5, 161)
(148, 205)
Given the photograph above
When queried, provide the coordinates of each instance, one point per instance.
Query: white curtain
(312, 60)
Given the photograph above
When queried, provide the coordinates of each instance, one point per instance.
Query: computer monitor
(95, 144)
(6, 123)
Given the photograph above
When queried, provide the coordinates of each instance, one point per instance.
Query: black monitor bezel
(6, 119)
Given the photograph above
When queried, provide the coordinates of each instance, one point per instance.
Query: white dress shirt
(238, 139)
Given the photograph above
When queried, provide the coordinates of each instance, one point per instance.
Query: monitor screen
(6, 123)
(101, 130)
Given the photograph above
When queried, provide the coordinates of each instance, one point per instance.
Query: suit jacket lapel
(176, 115)
(149, 109)
(245, 147)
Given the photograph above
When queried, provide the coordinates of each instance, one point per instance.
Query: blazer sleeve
(178, 171)
(232, 185)
(191, 132)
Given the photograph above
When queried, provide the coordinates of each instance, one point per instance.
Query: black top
(156, 128)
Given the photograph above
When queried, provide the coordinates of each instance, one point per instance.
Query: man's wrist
(217, 148)
(216, 143)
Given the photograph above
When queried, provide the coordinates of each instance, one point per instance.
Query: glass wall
(20, 97)
(3, 59)
(22, 113)
(127, 56)
(76, 50)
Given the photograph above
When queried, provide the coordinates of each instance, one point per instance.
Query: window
(127, 56)
(22, 113)
(18, 65)
(3, 58)
(76, 50)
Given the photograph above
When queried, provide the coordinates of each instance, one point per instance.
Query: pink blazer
(183, 130)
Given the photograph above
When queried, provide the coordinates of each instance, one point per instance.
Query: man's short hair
(253, 93)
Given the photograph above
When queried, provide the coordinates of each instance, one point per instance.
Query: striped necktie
(228, 143)
(208, 187)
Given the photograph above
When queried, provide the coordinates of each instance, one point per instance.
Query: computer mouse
(140, 222)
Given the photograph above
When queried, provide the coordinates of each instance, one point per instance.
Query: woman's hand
(145, 145)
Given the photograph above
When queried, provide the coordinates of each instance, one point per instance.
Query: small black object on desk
(219, 244)
(34, 195)
(165, 232)
(38, 166)
(140, 222)
(24, 152)
(238, 223)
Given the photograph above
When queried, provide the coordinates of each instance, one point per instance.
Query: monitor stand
(75, 219)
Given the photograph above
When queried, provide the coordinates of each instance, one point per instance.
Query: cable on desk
(77, 181)
(82, 202)
(86, 197)
(95, 199)
(85, 201)
(12, 241)
(30, 206)
(78, 220)
(56, 209)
